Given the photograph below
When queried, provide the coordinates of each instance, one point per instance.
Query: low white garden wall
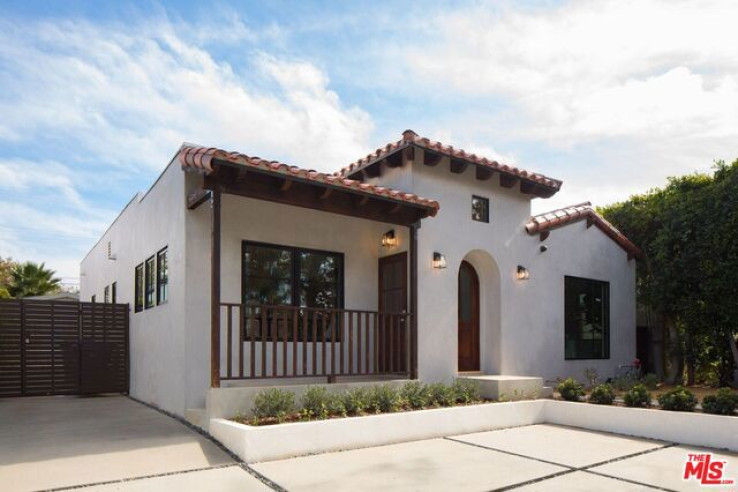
(265, 443)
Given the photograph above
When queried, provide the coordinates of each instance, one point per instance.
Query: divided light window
(106, 294)
(139, 287)
(162, 277)
(150, 288)
(480, 208)
(587, 318)
(283, 275)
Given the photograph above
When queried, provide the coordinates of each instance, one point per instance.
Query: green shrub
(415, 395)
(722, 403)
(679, 399)
(602, 395)
(623, 383)
(384, 399)
(650, 381)
(441, 395)
(637, 396)
(315, 403)
(570, 389)
(466, 391)
(356, 401)
(274, 403)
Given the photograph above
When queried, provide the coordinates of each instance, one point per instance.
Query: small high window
(587, 318)
(93, 298)
(162, 277)
(114, 292)
(106, 294)
(139, 288)
(480, 209)
(150, 285)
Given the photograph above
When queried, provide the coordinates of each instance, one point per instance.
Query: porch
(312, 276)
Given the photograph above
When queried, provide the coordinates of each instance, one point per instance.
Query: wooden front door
(468, 318)
(392, 331)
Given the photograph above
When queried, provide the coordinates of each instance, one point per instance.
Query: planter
(273, 442)
(265, 443)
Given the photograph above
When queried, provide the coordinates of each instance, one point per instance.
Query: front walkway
(115, 444)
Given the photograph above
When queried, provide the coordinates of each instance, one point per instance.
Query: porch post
(215, 290)
(414, 300)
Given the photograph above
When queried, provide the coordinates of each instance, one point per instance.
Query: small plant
(590, 374)
(602, 395)
(623, 383)
(441, 395)
(356, 401)
(273, 403)
(650, 381)
(722, 403)
(679, 399)
(570, 389)
(384, 399)
(315, 403)
(637, 396)
(415, 395)
(466, 391)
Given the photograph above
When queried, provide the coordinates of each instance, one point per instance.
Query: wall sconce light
(523, 273)
(439, 261)
(389, 240)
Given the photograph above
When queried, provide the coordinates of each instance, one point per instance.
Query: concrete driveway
(59, 442)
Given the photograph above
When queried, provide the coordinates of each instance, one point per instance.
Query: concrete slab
(228, 479)
(665, 468)
(561, 445)
(583, 482)
(430, 465)
(51, 442)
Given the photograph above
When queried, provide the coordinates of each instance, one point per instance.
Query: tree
(688, 233)
(32, 279)
(6, 266)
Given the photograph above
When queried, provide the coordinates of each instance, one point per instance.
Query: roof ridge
(586, 204)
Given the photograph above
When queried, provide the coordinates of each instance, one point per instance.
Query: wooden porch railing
(261, 342)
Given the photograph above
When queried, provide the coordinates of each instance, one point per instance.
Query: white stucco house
(417, 261)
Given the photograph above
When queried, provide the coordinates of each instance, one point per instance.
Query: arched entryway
(468, 318)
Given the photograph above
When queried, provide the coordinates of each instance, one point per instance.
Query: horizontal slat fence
(261, 342)
(62, 348)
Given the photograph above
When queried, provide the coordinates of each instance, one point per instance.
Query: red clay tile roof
(568, 215)
(409, 137)
(201, 159)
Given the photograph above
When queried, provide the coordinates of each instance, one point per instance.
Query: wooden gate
(63, 348)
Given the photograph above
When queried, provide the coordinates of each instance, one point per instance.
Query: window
(162, 277)
(480, 209)
(93, 298)
(150, 285)
(106, 294)
(114, 292)
(587, 318)
(139, 287)
(281, 275)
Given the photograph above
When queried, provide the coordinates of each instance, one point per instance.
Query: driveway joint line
(142, 477)
(238, 461)
(628, 456)
(628, 480)
(489, 448)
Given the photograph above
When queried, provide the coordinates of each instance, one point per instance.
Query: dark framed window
(139, 288)
(162, 277)
(93, 298)
(480, 208)
(106, 294)
(587, 318)
(287, 276)
(114, 292)
(150, 287)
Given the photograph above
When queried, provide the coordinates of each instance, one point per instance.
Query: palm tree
(32, 279)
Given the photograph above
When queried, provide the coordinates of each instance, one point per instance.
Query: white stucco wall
(521, 322)
(149, 223)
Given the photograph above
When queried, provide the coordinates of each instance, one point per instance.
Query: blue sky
(611, 97)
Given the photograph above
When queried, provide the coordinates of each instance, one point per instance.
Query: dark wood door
(468, 318)
(392, 329)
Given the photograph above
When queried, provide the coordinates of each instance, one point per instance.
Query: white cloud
(28, 176)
